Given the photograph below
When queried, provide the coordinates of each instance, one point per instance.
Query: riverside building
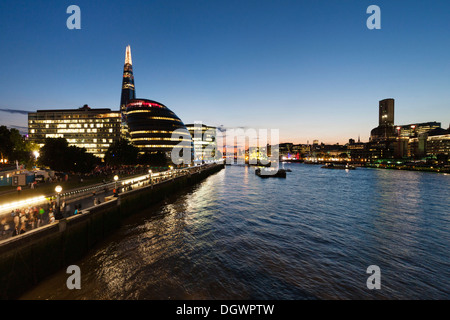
(151, 127)
(92, 129)
(412, 141)
(147, 124)
(204, 140)
(128, 91)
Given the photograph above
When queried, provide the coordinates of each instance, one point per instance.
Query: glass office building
(92, 129)
(151, 126)
(128, 90)
(204, 139)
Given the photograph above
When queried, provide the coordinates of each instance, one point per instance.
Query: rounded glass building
(151, 126)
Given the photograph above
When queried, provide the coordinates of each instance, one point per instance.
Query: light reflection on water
(312, 235)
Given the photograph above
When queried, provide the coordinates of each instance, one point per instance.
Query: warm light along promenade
(74, 201)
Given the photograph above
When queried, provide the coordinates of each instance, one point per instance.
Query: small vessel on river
(338, 166)
(270, 173)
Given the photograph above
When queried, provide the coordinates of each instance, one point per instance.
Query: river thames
(310, 236)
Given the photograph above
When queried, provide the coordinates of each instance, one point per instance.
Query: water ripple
(310, 236)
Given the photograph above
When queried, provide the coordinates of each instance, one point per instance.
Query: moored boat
(270, 173)
(338, 166)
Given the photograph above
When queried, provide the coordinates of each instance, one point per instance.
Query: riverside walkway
(38, 211)
(28, 258)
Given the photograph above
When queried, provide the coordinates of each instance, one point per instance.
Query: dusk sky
(309, 68)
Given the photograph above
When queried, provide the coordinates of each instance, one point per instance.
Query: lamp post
(58, 215)
(115, 184)
(151, 178)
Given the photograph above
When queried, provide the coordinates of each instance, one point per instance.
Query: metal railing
(121, 186)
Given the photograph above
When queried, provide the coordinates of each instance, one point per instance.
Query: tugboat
(270, 173)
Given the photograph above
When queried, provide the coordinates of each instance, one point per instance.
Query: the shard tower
(128, 90)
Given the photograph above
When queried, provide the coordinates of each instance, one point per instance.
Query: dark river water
(310, 236)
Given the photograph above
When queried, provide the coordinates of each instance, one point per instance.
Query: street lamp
(115, 183)
(58, 215)
(151, 178)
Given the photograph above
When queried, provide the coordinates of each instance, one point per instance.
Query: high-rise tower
(385, 129)
(386, 112)
(128, 90)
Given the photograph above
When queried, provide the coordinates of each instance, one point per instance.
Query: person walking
(62, 209)
(4, 226)
(32, 219)
(67, 210)
(16, 220)
(47, 215)
(16, 231)
(40, 220)
(23, 229)
(24, 218)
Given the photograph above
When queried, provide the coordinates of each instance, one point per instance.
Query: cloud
(15, 111)
(19, 127)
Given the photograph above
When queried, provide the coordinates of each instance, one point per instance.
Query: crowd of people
(109, 171)
(22, 220)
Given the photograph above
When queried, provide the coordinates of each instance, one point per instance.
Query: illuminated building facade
(415, 129)
(204, 140)
(128, 90)
(386, 112)
(412, 141)
(358, 151)
(151, 125)
(439, 144)
(92, 129)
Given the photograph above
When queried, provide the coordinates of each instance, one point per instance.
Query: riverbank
(410, 168)
(392, 166)
(9, 193)
(27, 259)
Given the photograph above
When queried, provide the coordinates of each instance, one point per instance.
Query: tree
(80, 161)
(156, 159)
(59, 156)
(13, 146)
(21, 149)
(53, 154)
(5, 142)
(122, 152)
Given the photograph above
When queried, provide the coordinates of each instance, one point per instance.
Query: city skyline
(224, 151)
(312, 70)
